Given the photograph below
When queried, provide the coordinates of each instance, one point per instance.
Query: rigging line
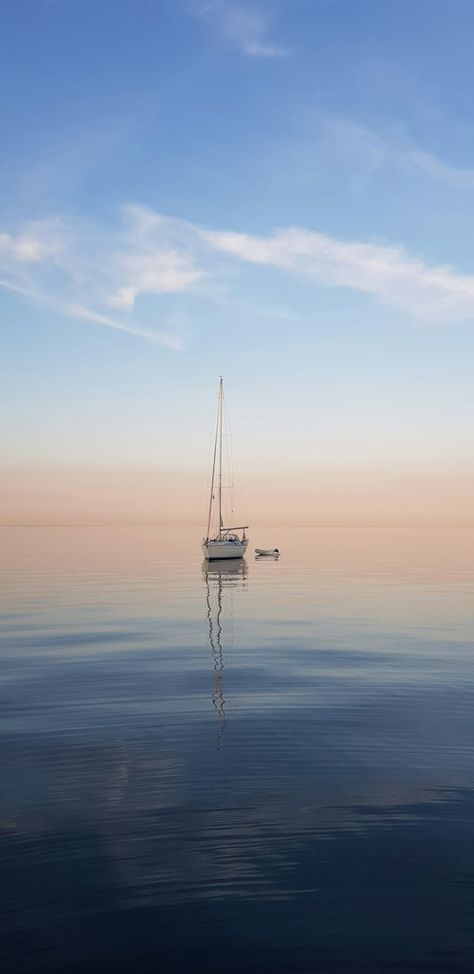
(229, 461)
(236, 480)
(229, 457)
(208, 470)
(213, 471)
(220, 457)
(227, 469)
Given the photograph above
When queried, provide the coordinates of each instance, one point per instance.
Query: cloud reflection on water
(329, 827)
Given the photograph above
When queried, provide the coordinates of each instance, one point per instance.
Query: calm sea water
(256, 767)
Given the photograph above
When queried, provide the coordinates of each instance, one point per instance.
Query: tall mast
(211, 496)
(220, 455)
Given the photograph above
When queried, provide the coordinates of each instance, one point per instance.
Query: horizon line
(258, 524)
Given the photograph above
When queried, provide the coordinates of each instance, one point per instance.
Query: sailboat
(227, 541)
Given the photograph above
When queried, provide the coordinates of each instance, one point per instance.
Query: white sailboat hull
(223, 549)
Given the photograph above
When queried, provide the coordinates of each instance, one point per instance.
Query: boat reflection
(222, 578)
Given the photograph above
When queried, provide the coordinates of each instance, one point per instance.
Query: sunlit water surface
(262, 767)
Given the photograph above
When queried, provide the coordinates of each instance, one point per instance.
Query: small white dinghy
(267, 551)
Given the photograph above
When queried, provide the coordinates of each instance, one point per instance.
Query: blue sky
(281, 192)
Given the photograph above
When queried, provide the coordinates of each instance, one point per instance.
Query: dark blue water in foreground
(264, 767)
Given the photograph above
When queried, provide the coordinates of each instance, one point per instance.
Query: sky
(277, 192)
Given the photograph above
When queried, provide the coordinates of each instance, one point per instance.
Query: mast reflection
(221, 579)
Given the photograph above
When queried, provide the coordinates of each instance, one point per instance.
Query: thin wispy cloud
(436, 293)
(159, 273)
(455, 176)
(39, 241)
(83, 272)
(357, 152)
(244, 26)
(79, 313)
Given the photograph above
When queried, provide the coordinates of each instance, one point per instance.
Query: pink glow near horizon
(353, 496)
